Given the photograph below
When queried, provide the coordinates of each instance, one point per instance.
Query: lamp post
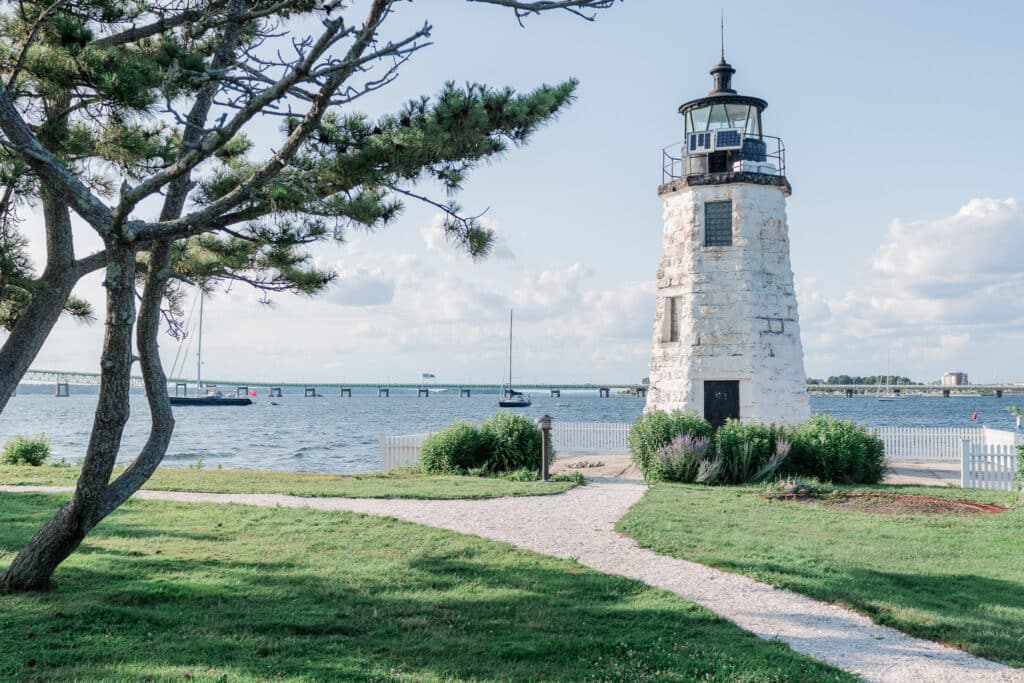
(545, 444)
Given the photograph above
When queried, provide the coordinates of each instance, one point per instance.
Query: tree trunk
(161, 416)
(48, 299)
(34, 565)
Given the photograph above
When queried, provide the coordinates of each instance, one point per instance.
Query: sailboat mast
(199, 352)
(510, 351)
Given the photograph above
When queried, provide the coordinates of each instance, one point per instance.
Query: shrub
(655, 430)
(513, 442)
(835, 450)
(680, 460)
(458, 447)
(743, 450)
(27, 450)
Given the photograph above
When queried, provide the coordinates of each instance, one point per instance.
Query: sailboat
(510, 397)
(213, 396)
(889, 394)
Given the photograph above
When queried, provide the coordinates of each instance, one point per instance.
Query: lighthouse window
(673, 305)
(754, 122)
(719, 119)
(698, 119)
(718, 224)
(738, 115)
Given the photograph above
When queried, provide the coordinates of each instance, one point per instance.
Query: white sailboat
(510, 397)
(889, 394)
(212, 397)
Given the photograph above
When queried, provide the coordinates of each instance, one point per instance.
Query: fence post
(545, 445)
(965, 463)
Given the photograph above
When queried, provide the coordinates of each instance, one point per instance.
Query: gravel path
(579, 524)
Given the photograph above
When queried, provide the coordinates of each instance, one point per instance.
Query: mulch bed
(896, 504)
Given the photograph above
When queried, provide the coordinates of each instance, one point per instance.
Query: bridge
(69, 377)
(56, 377)
(917, 389)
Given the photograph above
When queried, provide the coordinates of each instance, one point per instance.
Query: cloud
(949, 290)
(362, 286)
(453, 320)
(398, 312)
(977, 248)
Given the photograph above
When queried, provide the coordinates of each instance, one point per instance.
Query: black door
(721, 402)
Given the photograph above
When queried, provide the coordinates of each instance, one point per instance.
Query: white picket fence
(940, 444)
(400, 451)
(1002, 437)
(590, 438)
(567, 438)
(932, 444)
(987, 467)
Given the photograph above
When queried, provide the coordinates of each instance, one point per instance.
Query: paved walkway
(923, 473)
(579, 525)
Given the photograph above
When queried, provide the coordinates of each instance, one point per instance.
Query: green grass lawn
(397, 485)
(163, 591)
(953, 579)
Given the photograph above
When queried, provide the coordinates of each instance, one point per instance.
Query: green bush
(683, 460)
(513, 443)
(742, 450)
(835, 450)
(458, 447)
(653, 431)
(27, 450)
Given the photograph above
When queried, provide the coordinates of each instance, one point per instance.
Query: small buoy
(975, 415)
(252, 393)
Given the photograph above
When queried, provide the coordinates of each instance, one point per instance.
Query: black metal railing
(768, 158)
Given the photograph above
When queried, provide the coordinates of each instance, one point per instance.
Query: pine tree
(109, 108)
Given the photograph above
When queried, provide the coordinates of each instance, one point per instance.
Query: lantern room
(723, 138)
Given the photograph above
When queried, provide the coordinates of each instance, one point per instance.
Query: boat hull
(513, 404)
(208, 401)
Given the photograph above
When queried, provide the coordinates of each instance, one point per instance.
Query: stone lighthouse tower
(726, 330)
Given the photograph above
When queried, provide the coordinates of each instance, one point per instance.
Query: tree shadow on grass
(979, 614)
(363, 599)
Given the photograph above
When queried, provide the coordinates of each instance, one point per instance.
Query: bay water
(341, 435)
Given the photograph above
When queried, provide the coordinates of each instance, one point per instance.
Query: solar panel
(728, 139)
(699, 141)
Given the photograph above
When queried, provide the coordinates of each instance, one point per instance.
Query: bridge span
(93, 378)
(917, 389)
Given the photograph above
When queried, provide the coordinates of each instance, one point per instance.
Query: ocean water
(333, 434)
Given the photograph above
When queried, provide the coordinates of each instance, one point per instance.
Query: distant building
(954, 379)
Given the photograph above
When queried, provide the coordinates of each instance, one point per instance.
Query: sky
(902, 126)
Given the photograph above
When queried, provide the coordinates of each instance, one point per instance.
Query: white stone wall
(737, 307)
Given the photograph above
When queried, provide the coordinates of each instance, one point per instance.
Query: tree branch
(50, 170)
(200, 221)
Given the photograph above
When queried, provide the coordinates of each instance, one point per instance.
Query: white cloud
(942, 292)
(362, 286)
(975, 249)
(395, 314)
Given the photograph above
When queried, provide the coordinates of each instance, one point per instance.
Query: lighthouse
(726, 330)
